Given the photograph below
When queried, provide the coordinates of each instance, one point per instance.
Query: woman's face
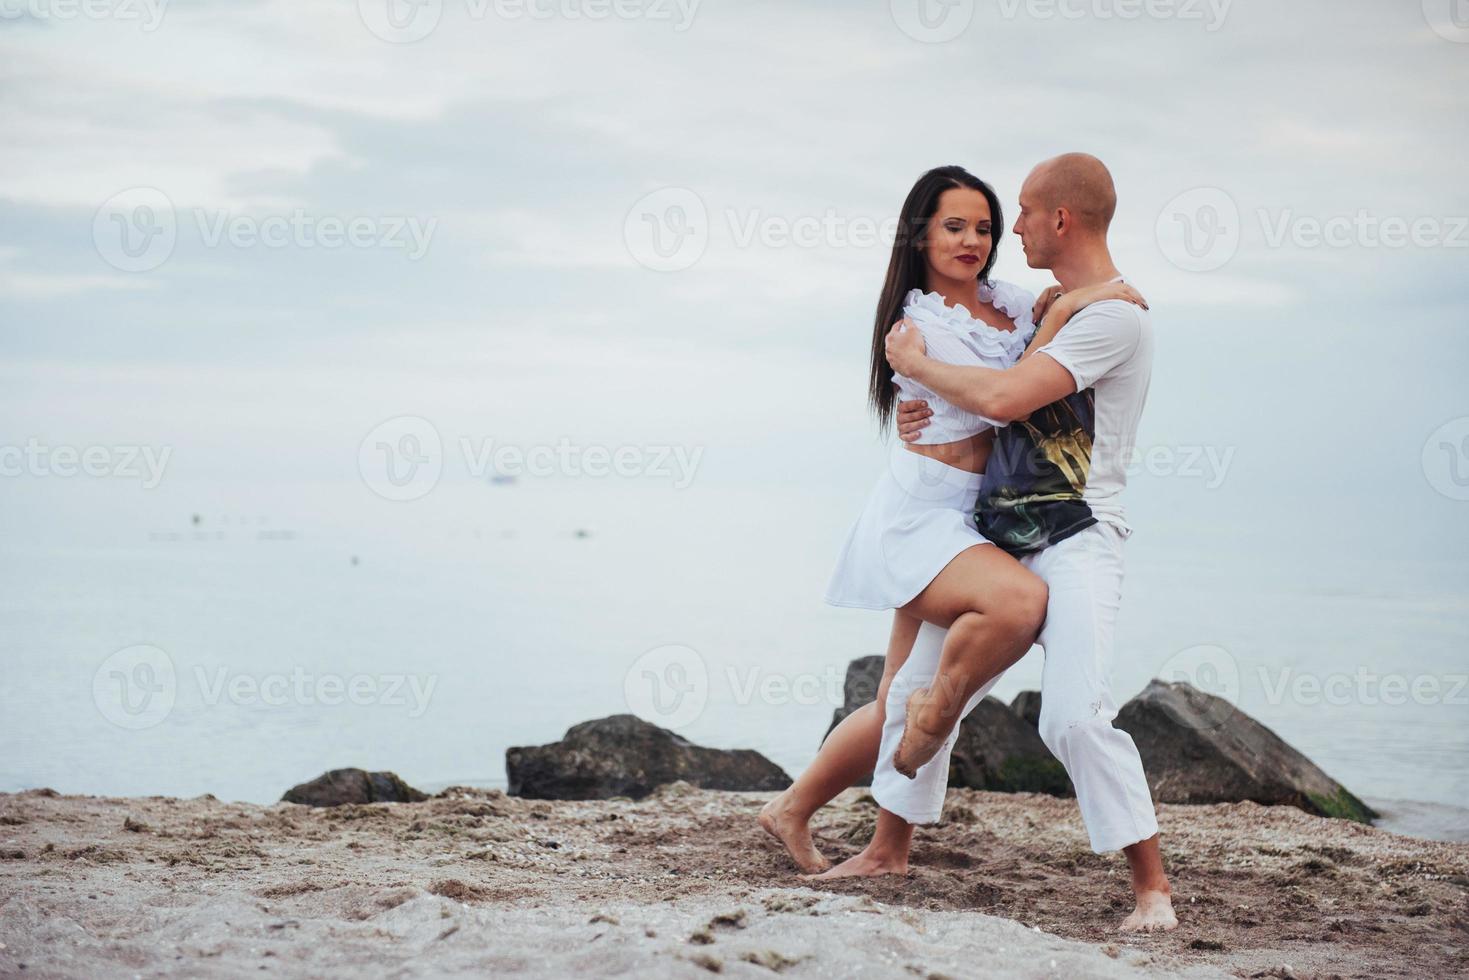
(960, 234)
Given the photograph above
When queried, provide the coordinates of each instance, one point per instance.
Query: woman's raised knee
(1021, 605)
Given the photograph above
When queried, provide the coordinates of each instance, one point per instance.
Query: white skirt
(919, 517)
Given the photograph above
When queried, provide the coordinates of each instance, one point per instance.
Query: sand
(684, 884)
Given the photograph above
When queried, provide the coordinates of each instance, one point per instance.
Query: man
(1051, 496)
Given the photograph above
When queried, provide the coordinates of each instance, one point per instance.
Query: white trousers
(1084, 574)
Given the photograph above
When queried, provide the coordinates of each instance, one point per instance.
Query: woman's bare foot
(867, 864)
(919, 744)
(1154, 913)
(782, 822)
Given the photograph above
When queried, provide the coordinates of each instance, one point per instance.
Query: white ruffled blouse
(954, 337)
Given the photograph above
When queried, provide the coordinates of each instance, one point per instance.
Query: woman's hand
(1043, 303)
(1077, 300)
(1067, 305)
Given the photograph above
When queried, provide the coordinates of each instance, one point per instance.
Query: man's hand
(913, 417)
(905, 347)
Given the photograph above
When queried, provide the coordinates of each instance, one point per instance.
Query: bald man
(1051, 496)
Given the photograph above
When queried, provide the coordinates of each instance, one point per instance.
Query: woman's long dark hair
(907, 269)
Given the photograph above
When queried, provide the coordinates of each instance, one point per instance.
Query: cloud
(529, 142)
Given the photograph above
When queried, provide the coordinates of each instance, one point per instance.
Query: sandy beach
(472, 882)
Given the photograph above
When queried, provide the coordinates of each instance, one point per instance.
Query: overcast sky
(663, 226)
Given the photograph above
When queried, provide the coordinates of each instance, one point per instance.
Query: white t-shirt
(1064, 468)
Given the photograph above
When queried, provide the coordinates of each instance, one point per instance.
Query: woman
(915, 549)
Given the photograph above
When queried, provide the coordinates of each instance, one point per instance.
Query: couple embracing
(998, 523)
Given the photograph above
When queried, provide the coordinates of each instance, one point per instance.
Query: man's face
(1036, 227)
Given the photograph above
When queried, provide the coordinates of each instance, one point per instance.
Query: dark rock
(626, 756)
(1198, 748)
(864, 675)
(1027, 704)
(1000, 751)
(341, 786)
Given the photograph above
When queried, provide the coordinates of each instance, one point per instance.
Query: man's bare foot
(1154, 913)
(865, 865)
(782, 822)
(918, 745)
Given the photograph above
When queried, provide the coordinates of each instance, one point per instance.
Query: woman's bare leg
(885, 854)
(993, 608)
(985, 638)
(848, 754)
